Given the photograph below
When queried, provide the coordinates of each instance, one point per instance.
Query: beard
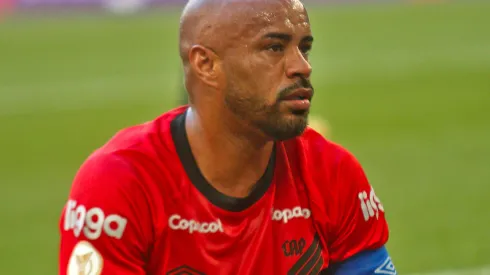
(271, 119)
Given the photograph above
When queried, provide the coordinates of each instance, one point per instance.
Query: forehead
(285, 16)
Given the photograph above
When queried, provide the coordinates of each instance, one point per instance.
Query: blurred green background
(405, 87)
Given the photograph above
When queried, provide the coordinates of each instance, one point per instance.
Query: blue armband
(369, 262)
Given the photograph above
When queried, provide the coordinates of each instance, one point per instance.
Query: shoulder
(140, 147)
(328, 169)
(323, 152)
(144, 137)
(113, 182)
(126, 160)
(108, 175)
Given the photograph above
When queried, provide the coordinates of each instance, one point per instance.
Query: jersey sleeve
(368, 262)
(105, 226)
(360, 223)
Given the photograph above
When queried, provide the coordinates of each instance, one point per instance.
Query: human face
(268, 72)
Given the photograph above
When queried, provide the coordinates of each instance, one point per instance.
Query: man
(235, 183)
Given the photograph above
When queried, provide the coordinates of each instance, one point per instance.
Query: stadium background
(405, 85)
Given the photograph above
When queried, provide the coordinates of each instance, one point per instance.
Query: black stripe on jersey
(308, 267)
(316, 268)
(184, 270)
(310, 262)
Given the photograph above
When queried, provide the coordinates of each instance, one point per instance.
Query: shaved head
(247, 57)
(217, 23)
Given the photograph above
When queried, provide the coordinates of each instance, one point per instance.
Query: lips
(299, 100)
(300, 94)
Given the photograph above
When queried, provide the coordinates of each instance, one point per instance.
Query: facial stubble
(272, 120)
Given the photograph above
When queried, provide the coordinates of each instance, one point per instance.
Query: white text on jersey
(288, 214)
(92, 222)
(176, 222)
(370, 206)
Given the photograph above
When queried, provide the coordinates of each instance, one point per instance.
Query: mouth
(300, 94)
(299, 100)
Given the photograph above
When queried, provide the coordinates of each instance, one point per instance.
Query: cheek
(241, 76)
(267, 77)
(254, 78)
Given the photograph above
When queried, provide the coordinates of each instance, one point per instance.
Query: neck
(231, 157)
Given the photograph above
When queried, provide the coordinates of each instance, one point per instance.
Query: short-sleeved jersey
(140, 205)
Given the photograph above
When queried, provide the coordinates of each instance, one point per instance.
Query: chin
(283, 125)
(302, 113)
(289, 128)
(289, 135)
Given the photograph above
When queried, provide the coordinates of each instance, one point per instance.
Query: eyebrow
(286, 37)
(279, 35)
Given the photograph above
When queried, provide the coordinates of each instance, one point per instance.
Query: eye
(305, 49)
(276, 48)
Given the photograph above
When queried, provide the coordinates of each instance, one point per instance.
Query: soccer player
(235, 183)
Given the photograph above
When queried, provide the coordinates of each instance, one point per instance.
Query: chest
(276, 235)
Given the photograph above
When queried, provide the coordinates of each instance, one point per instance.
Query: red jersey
(140, 205)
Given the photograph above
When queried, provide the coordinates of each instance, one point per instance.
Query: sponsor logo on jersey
(176, 222)
(85, 260)
(184, 270)
(92, 222)
(285, 215)
(370, 205)
(387, 268)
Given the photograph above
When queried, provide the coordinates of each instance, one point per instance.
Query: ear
(205, 64)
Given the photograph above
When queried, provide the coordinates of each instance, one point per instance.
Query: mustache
(302, 83)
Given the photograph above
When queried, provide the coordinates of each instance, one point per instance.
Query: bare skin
(246, 64)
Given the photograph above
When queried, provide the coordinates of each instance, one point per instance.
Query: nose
(297, 64)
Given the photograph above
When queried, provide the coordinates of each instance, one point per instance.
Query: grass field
(405, 87)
